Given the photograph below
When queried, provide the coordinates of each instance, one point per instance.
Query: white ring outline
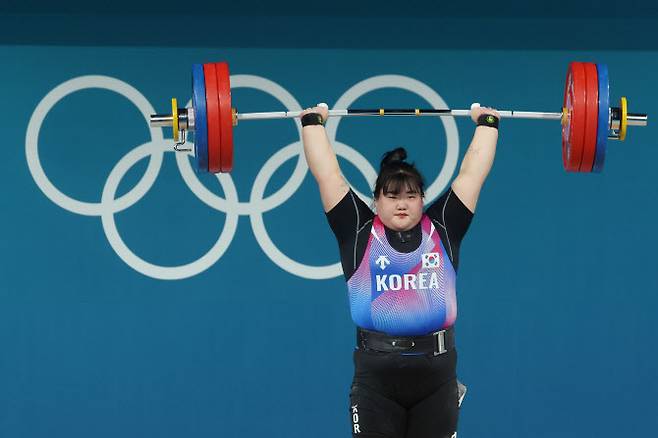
(258, 225)
(32, 145)
(150, 269)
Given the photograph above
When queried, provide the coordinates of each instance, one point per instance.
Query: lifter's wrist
(488, 120)
(312, 119)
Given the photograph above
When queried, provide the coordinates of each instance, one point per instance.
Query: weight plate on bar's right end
(591, 117)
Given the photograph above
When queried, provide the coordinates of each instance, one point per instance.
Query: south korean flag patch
(431, 260)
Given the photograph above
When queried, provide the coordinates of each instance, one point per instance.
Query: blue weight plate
(200, 118)
(604, 108)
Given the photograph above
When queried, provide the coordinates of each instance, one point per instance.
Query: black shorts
(404, 396)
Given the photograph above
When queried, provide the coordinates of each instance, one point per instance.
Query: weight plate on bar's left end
(573, 131)
(225, 115)
(214, 128)
(200, 118)
(604, 117)
(591, 117)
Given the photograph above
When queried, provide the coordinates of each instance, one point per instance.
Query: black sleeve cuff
(488, 120)
(312, 119)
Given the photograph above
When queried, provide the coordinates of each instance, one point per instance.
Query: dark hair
(395, 173)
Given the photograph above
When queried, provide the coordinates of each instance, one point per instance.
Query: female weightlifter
(400, 265)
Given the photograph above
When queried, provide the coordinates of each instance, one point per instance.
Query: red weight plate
(573, 131)
(225, 115)
(591, 117)
(567, 108)
(214, 128)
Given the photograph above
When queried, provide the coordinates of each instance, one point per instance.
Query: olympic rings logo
(230, 205)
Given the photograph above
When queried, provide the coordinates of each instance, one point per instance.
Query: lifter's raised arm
(477, 162)
(322, 160)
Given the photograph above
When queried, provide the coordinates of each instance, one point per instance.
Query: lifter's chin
(403, 223)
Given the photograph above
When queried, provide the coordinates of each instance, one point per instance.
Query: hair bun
(398, 154)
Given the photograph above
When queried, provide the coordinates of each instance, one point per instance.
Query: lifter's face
(400, 211)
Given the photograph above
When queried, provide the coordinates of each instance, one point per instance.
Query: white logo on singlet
(383, 261)
(420, 281)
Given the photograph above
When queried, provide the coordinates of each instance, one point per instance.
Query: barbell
(588, 121)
